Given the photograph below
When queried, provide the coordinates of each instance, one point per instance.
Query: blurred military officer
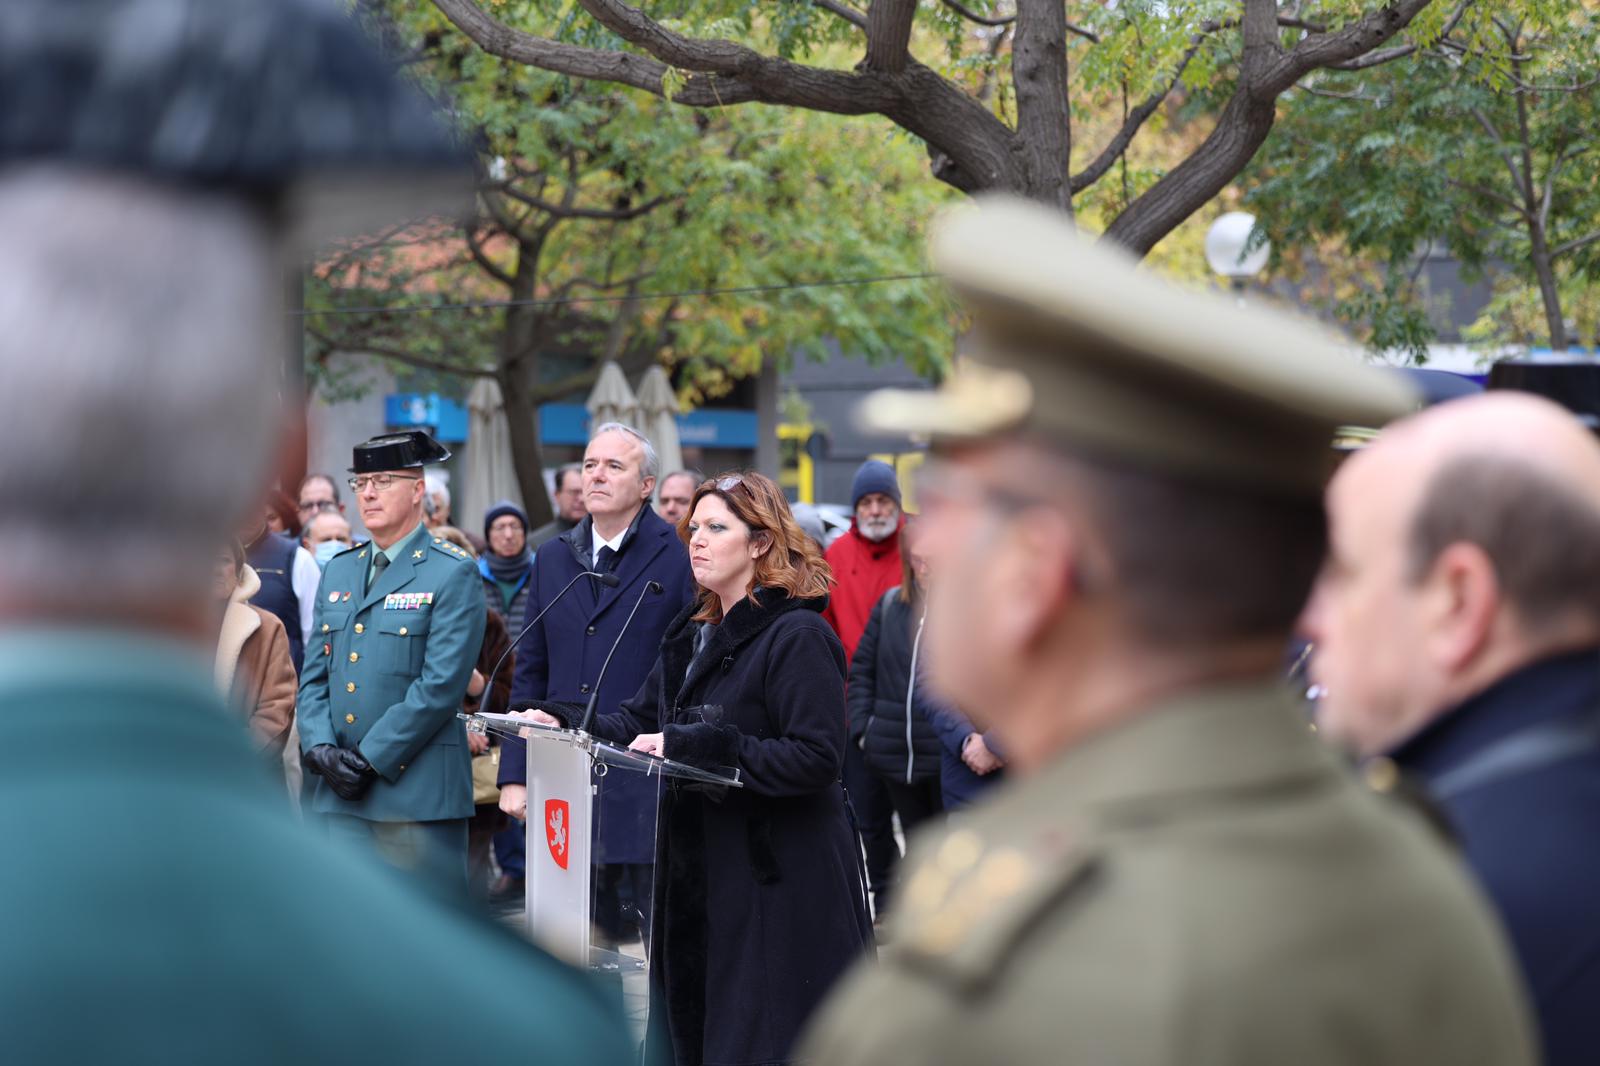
(396, 633)
(153, 157)
(1124, 513)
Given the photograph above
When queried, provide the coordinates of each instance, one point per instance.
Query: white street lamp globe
(1226, 242)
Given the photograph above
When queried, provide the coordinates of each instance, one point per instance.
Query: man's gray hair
(689, 472)
(652, 462)
(434, 484)
(141, 352)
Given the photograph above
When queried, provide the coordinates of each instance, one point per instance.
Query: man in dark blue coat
(560, 657)
(1457, 633)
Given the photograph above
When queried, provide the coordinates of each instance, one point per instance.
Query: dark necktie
(603, 561)
(378, 563)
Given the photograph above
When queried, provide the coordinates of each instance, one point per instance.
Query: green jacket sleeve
(455, 637)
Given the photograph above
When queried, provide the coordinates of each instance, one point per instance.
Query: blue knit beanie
(875, 475)
(500, 510)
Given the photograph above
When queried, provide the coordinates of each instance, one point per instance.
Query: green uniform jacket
(385, 673)
(1203, 885)
(163, 905)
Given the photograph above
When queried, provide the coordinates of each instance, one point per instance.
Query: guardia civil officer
(396, 632)
(1124, 512)
(154, 157)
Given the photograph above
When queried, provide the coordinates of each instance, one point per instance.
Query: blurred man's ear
(1035, 564)
(1461, 599)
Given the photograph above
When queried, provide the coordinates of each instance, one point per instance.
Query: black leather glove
(356, 775)
(317, 760)
(347, 773)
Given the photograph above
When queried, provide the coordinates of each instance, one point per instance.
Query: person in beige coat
(253, 668)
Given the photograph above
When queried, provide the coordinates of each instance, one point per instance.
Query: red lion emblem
(557, 822)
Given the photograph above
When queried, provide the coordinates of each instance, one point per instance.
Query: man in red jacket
(866, 564)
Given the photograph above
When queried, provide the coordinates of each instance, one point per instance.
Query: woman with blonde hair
(759, 901)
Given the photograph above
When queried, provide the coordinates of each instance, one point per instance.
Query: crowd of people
(1064, 678)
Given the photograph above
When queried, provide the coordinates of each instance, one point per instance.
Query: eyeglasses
(378, 481)
(728, 484)
(317, 506)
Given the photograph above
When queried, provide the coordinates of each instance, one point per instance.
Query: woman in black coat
(759, 899)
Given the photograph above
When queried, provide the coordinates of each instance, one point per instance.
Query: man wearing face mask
(327, 535)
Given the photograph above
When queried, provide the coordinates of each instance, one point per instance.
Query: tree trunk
(1044, 119)
(1549, 291)
(526, 455)
(518, 374)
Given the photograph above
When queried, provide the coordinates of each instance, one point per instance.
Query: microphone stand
(608, 580)
(650, 588)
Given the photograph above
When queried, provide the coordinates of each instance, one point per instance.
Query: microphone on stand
(650, 588)
(610, 581)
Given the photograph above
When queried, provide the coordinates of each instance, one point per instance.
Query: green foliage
(1483, 146)
(747, 196)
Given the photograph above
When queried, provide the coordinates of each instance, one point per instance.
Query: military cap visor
(1073, 341)
(398, 451)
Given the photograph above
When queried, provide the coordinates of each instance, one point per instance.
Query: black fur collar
(749, 618)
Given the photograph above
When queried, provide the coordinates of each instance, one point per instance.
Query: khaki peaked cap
(1074, 341)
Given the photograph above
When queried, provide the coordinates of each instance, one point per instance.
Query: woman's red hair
(793, 563)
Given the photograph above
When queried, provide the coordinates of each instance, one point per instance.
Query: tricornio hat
(398, 451)
(1073, 341)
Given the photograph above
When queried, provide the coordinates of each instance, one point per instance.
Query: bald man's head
(1463, 545)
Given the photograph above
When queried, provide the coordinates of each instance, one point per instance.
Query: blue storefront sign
(443, 417)
(564, 423)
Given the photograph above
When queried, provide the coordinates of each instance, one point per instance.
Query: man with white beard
(866, 564)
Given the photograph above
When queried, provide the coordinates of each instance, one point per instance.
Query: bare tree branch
(970, 147)
(1487, 124)
(1491, 194)
(1360, 38)
(1006, 20)
(844, 11)
(399, 355)
(987, 80)
(1520, 86)
(1389, 55)
(982, 20)
(1574, 244)
(487, 265)
(1266, 71)
(1130, 126)
(565, 210)
(889, 34)
(1549, 188)
(1291, 23)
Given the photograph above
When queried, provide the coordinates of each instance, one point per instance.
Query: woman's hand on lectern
(649, 743)
(534, 714)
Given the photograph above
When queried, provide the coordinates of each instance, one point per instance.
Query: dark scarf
(510, 570)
